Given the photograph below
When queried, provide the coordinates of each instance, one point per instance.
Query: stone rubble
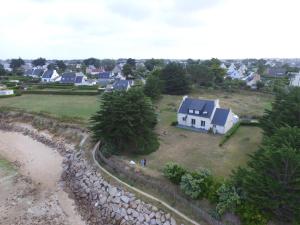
(97, 201)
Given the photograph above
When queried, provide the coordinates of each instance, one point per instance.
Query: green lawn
(195, 150)
(61, 106)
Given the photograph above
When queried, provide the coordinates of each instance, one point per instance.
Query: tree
(61, 65)
(174, 79)
(51, 66)
(153, 86)
(174, 172)
(16, 64)
(108, 64)
(200, 74)
(271, 181)
(125, 122)
(131, 62)
(39, 62)
(285, 111)
(127, 70)
(92, 61)
(150, 64)
(2, 70)
(196, 184)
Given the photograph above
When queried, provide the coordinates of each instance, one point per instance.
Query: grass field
(62, 106)
(199, 150)
(193, 150)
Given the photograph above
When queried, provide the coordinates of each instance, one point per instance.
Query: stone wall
(97, 201)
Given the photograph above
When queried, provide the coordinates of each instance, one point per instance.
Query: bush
(229, 133)
(249, 215)
(212, 194)
(174, 123)
(40, 92)
(174, 172)
(196, 184)
(228, 198)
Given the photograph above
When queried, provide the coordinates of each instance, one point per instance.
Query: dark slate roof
(48, 74)
(276, 71)
(197, 104)
(38, 72)
(103, 75)
(220, 116)
(28, 72)
(68, 77)
(78, 79)
(121, 84)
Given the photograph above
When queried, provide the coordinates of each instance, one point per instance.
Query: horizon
(166, 29)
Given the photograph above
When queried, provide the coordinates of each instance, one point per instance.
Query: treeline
(178, 79)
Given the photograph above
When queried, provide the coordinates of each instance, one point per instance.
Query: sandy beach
(33, 195)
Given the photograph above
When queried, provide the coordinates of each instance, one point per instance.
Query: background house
(50, 76)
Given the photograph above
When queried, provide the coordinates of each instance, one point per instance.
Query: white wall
(198, 120)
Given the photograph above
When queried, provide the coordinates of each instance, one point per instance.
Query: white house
(295, 80)
(50, 76)
(203, 115)
(6, 92)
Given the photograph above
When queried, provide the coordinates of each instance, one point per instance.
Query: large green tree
(125, 122)
(92, 61)
(285, 111)
(150, 64)
(175, 80)
(61, 65)
(153, 86)
(39, 62)
(271, 180)
(16, 64)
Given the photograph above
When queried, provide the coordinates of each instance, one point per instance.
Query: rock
(125, 199)
(173, 222)
(141, 218)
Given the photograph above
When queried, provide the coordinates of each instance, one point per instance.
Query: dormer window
(191, 111)
(197, 112)
(205, 113)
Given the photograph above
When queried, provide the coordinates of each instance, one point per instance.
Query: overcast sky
(72, 29)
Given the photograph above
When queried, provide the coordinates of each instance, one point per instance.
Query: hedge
(253, 123)
(61, 92)
(8, 96)
(229, 133)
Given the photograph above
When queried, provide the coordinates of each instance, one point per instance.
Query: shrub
(212, 194)
(174, 172)
(228, 198)
(229, 133)
(249, 215)
(196, 184)
(174, 123)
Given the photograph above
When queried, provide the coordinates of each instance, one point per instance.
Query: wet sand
(43, 166)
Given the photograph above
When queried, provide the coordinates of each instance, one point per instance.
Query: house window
(183, 118)
(193, 121)
(202, 123)
(191, 111)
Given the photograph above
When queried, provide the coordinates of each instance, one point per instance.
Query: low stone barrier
(97, 201)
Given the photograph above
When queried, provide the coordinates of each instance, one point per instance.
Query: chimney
(185, 97)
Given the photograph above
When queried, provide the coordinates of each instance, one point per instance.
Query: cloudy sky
(71, 29)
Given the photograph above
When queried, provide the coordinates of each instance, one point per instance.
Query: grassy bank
(61, 106)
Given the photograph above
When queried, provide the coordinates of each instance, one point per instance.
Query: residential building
(295, 80)
(35, 72)
(121, 85)
(50, 76)
(205, 115)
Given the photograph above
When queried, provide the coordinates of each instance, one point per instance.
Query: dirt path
(39, 199)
